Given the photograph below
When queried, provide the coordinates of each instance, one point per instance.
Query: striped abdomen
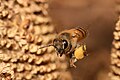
(81, 33)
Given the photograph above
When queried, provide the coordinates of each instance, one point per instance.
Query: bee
(67, 43)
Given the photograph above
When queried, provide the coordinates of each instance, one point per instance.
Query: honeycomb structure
(25, 26)
(115, 54)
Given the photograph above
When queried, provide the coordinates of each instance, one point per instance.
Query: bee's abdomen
(82, 32)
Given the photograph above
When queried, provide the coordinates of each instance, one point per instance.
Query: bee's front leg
(72, 59)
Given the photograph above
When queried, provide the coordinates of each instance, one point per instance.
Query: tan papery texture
(25, 26)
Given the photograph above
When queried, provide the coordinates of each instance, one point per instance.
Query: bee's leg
(85, 51)
(72, 61)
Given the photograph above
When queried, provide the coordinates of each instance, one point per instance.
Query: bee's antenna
(46, 46)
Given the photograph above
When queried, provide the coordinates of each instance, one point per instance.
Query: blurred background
(99, 17)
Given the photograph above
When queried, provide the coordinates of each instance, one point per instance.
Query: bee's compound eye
(65, 44)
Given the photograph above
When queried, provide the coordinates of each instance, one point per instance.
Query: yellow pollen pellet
(79, 52)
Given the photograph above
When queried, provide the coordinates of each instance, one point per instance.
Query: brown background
(99, 17)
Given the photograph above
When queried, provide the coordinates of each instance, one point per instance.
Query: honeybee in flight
(67, 43)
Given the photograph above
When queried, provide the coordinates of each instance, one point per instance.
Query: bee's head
(60, 45)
